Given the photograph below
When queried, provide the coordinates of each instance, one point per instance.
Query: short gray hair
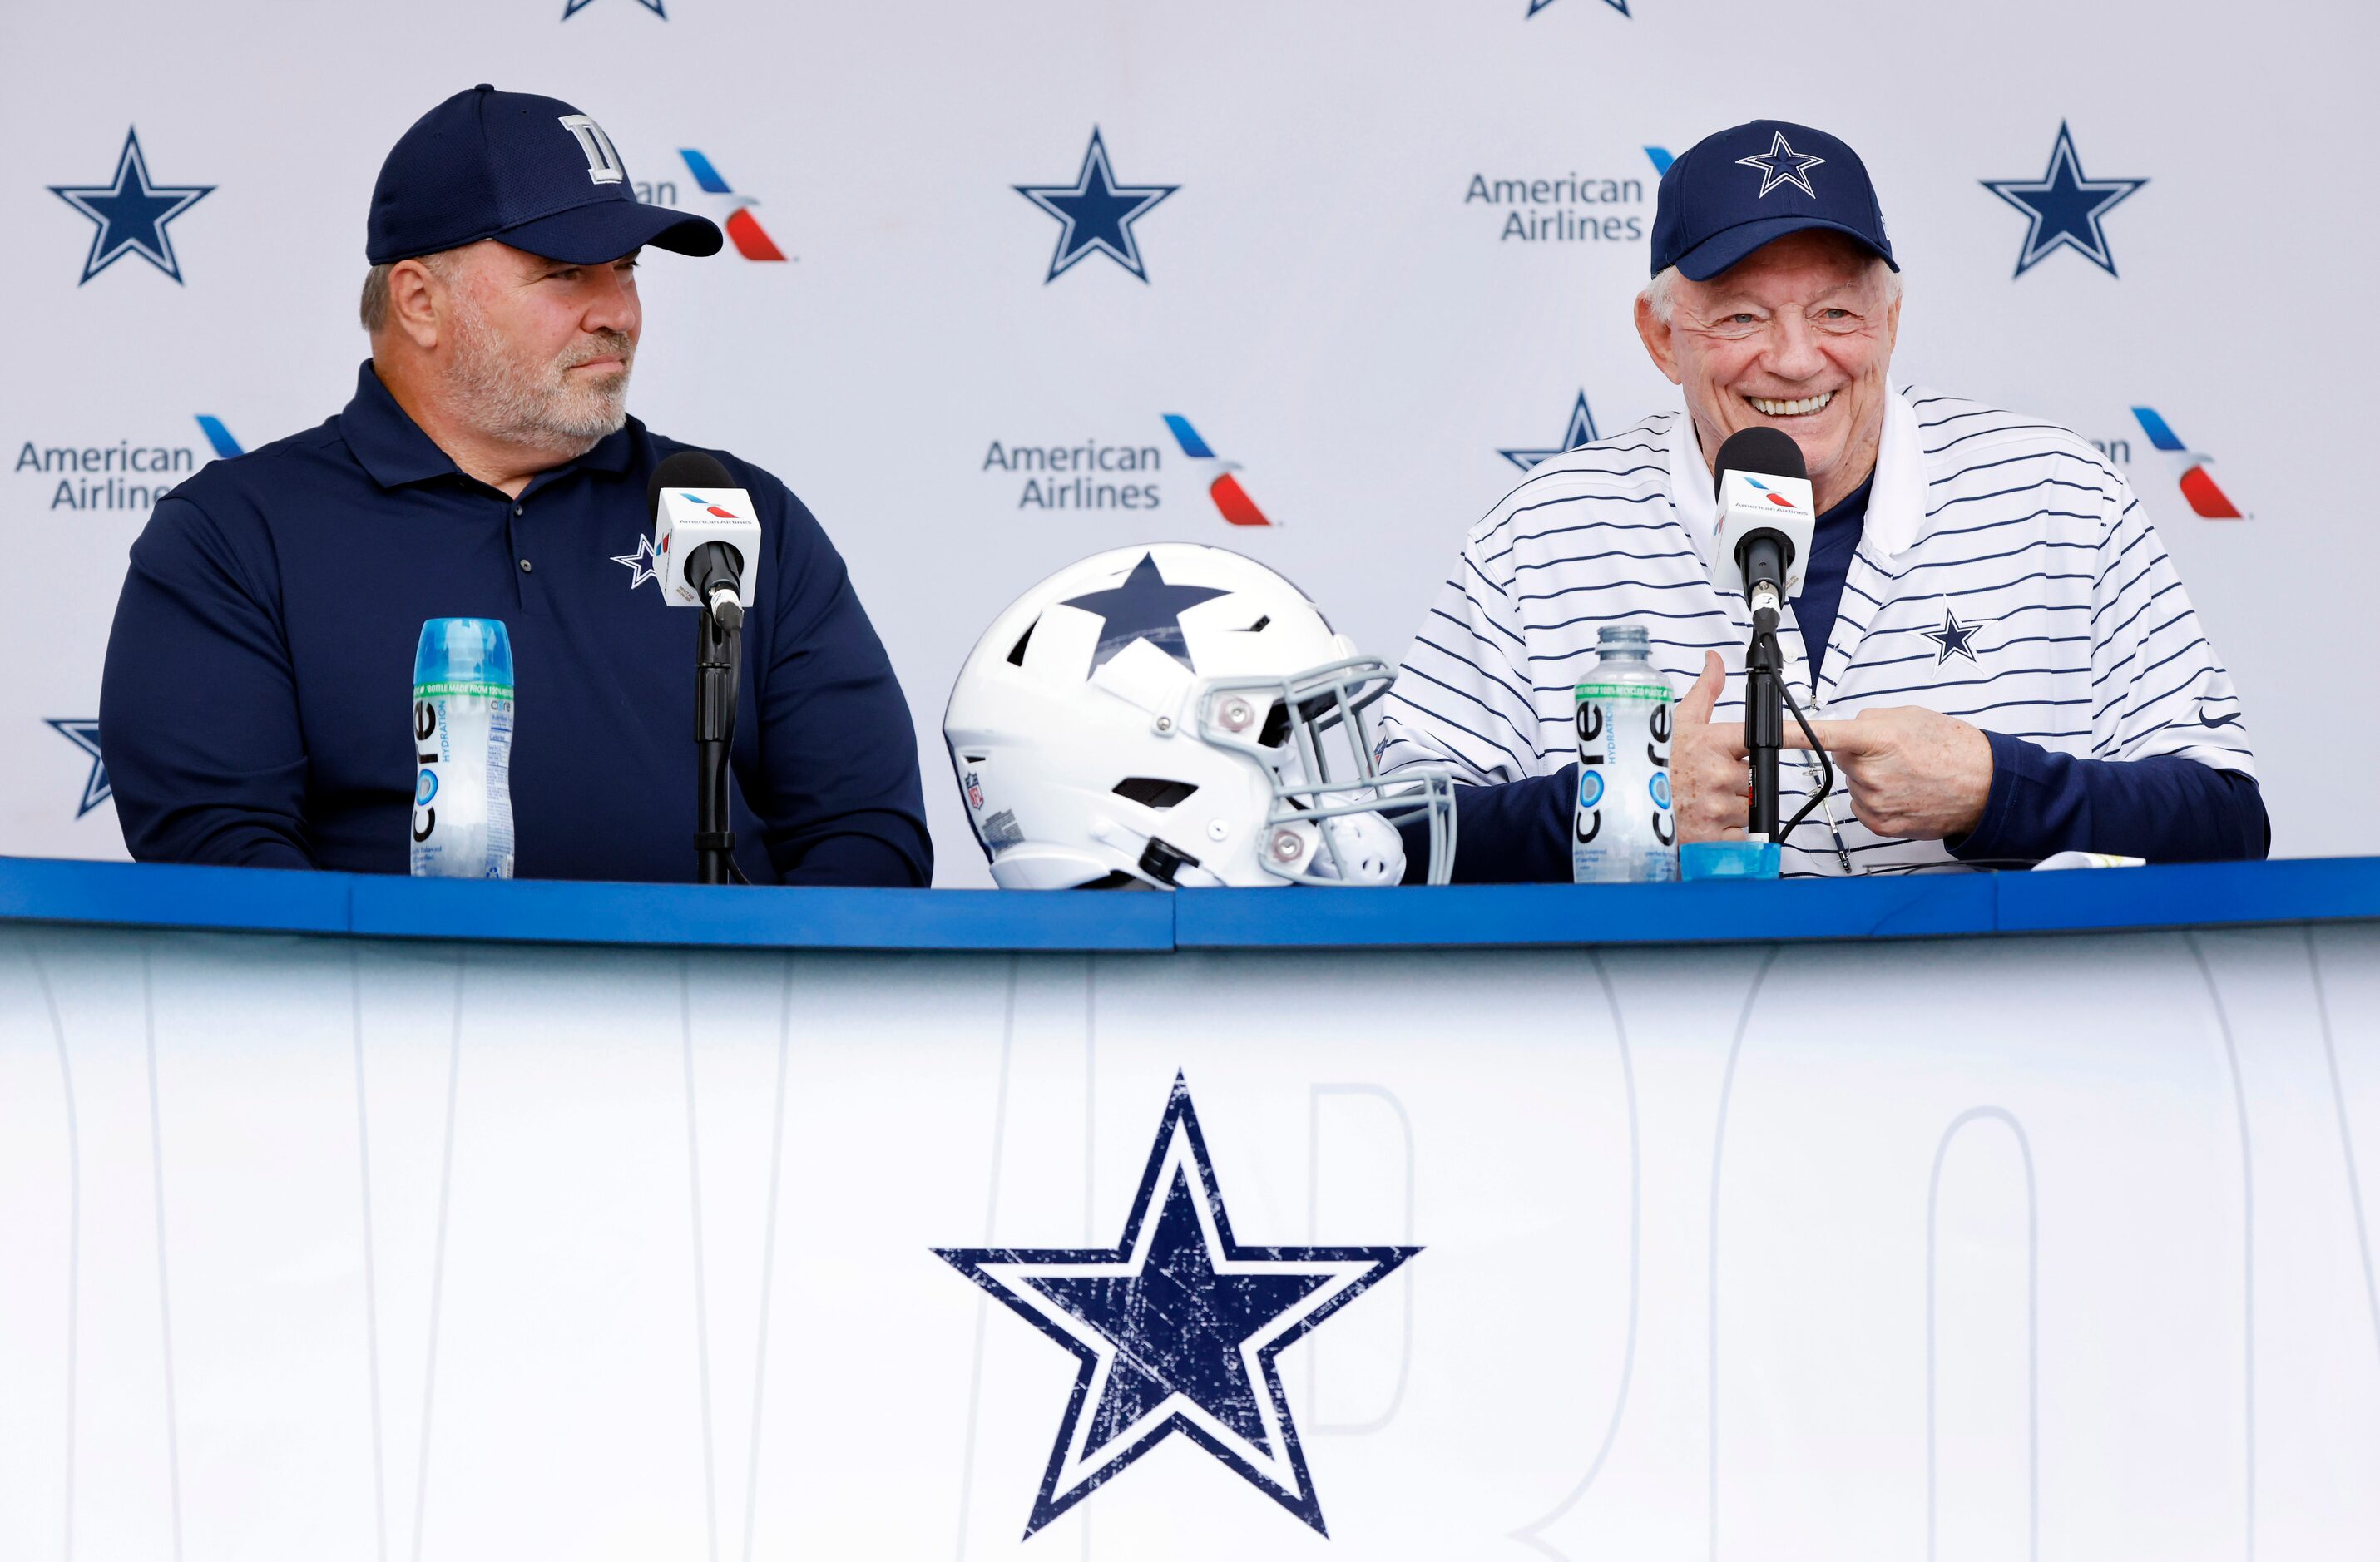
(373, 310)
(1660, 294)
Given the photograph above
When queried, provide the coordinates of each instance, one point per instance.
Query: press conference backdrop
(1368, 262)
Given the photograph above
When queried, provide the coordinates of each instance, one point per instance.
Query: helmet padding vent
(1016, 652)
(1151, 793)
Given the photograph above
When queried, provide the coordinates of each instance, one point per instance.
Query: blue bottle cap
(466, 655)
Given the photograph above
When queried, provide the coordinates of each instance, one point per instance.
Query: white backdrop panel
(1322, 301)
(2049, 1247)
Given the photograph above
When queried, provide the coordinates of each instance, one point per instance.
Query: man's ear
(418, 303)
(1660, 344)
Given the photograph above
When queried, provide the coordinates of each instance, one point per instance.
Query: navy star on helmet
(1709, 215)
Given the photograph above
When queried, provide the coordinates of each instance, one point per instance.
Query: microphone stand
(1763, 720)
(718, 649)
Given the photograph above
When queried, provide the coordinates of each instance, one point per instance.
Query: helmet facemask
(1333, 819)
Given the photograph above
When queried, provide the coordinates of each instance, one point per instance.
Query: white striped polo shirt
(2006, 576)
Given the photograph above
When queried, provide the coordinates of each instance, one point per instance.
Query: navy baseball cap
(533, 172)
(1733, 192)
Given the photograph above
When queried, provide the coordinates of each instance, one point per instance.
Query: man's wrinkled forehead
(1831, 262)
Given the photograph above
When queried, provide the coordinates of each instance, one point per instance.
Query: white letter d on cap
(604, 164)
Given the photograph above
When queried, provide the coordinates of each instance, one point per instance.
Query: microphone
(708, 553)
(1765, 519)
(1765, 526)
(707, 535)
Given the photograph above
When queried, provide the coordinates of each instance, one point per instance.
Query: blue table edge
(51, 891)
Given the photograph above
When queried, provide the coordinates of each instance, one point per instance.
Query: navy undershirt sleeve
(2168, 808)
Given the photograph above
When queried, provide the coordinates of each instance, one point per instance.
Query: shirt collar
(393, 451)
(1896, 501)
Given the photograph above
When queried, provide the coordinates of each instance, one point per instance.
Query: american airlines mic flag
(2007, 577)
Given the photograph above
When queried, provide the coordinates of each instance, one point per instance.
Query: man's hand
(1707, 778)
(1914, 773)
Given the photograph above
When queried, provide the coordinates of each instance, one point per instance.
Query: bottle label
(462, 797)
(1625, 830)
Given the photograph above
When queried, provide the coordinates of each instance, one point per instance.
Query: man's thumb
(1700, 700)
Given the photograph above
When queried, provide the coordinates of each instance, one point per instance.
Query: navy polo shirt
(258, 699)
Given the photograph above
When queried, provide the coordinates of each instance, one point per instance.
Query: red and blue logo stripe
(744, 230)
(1221, 487)
(2198, 486)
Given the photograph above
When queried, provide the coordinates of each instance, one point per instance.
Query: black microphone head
(699, 468)
(1769, 452)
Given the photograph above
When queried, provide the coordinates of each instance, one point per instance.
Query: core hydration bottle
(463, 745)
(1625, 831)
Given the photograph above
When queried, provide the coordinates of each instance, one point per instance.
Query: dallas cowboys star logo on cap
(1781, 164)
(1178, 1327)
(85, 736)
(1953, 638)
(1581, 432)
(1143, 608)
(132, 213)
(2064, 209)
(1096, 212)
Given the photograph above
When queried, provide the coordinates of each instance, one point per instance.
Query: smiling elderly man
(2007, 662)
(258, 694)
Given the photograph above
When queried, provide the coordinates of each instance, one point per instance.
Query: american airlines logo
(2207, 498)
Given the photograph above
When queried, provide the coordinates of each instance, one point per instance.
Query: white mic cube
(690, 517)
(1750, 502)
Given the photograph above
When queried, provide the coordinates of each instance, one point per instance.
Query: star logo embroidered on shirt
(1178, 1327)
(1781, 164)
(642, 565)
(1952, 638)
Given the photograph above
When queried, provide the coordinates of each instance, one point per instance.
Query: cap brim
(605, 230)
(1724, 249)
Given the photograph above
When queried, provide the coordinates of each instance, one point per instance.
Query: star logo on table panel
(1178, 1327)
(1096, 213)
(1953, 638)
(572, 8)
(2064, 209)
(642, 563)
(85, 736)
(1581, 432)
(1143, 608)
(132, 213)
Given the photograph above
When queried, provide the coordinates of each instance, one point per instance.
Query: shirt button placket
(531, 593)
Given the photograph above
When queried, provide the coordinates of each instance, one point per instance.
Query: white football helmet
(1179, 715)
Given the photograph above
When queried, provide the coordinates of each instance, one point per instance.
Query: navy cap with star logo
(1731, 192)
(530, 171)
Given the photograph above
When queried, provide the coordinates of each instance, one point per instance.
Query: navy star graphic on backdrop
(1178, 1328)
(1780, 152)
(1536, 5)
(2063, 207)
(1952, 638)
(85, 736)
(1098, 214)
(132, 213)
(572, 8)
(1581, 432)
(641, 563)
(1143, 608)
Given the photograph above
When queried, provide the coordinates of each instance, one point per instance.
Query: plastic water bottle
(1625, 831)
(463, 742)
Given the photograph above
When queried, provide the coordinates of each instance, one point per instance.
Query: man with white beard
(259, 677)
